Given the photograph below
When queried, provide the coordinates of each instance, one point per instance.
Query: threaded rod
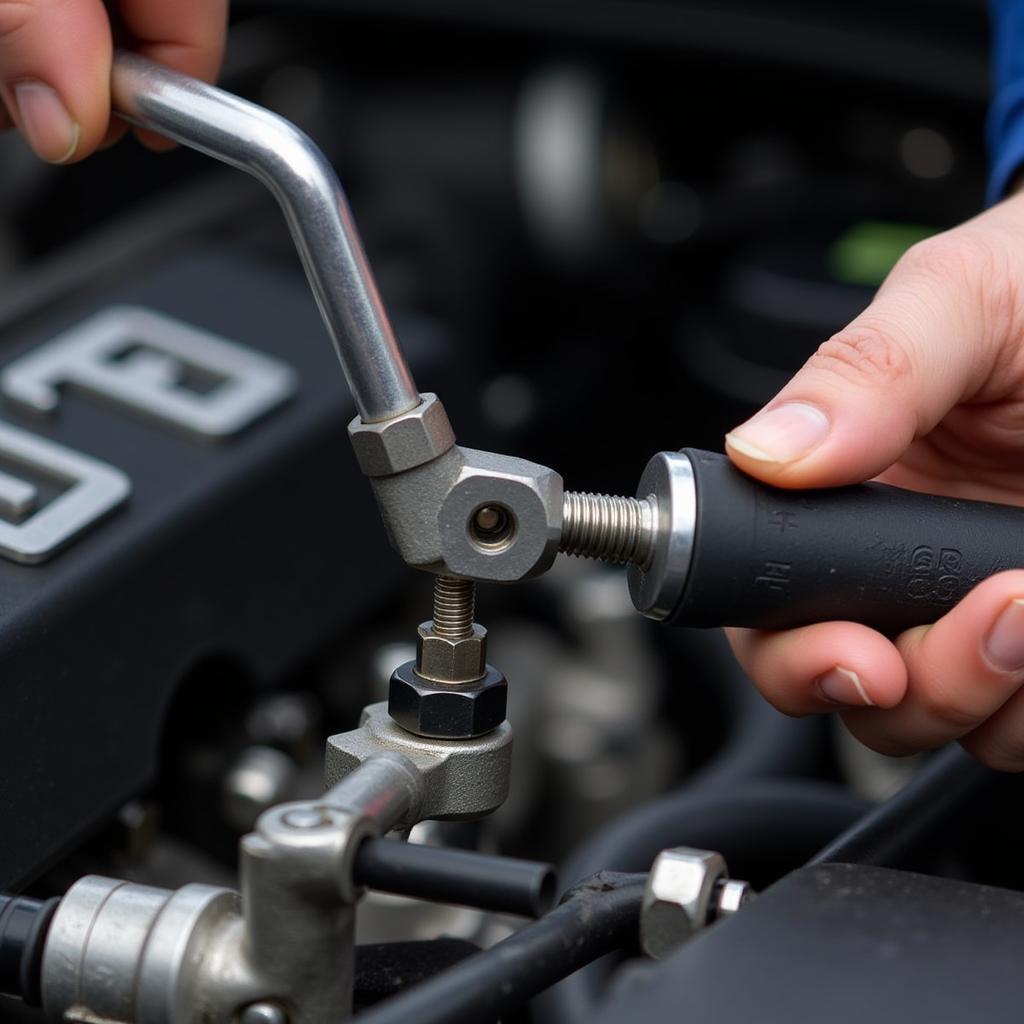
(454, 607)
(610, 528)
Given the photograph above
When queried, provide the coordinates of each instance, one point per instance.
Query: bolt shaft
(613, 529)
(454, 607)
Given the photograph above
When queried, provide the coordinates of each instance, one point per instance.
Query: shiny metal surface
(608, 528)
(657, 589)
(462, 779)
(134, 954)
(403, 442)
(124, 952)
(273, 150)
(680, 897)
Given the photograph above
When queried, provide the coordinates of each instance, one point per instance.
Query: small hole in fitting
(492, 528)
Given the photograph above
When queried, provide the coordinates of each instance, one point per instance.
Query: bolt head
(447, 710)
(451, 661)
(679, 898)
(263, 1013)
(305, 817)
(732, 895)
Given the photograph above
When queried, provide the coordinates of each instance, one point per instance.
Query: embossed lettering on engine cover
(87, 490)
(181, 375)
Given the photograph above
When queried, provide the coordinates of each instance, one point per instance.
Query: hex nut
(530, 493)
(404, 442)
(451, 661)
(447, 710)
(679, 898)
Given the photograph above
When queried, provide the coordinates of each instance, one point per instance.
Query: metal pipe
(287, 161)
(503, 885)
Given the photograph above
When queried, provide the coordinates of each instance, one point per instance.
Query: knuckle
(14, 16)
(863, 353)
(948, 709)
(1002, 754)
(956, 256)
(875, 735)
(977, 265)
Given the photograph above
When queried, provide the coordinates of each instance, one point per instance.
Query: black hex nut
(447, 711)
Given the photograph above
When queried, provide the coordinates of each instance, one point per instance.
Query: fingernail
(45, 122)
(1004, 645)
(781, 434)
(842, 686)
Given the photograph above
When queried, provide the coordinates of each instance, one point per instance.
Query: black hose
(24, 924)
(594, 918)
(892, 833)
(500, 884)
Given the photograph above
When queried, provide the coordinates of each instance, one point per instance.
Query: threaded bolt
(609, 528)
(454, 607)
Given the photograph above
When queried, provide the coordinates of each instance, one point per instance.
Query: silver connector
(652, 533)
(288, 162)
(609, 528)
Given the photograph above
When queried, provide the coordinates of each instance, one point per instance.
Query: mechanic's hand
(55, 64)
(924, 390)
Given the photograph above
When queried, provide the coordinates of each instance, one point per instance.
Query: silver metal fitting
(403, 442)
(733, 895)
(612, 529)
(685, 892)
(131, 953)
(441, 515)
(443, 660)
(528, 497)
(123, 952)
(461, 778)
(451, 647)
(653, 533)
(263, 1013)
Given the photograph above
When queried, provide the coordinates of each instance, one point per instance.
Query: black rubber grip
(883, 556)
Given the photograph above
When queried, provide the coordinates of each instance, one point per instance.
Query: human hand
(55, 58)
(924, 390)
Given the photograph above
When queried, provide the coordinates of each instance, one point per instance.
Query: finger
(187, 35)
(55, 74)
(960, 671)
(823, 667)
(999, 741)
(928, 341)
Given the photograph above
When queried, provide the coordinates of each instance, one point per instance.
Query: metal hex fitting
(680, 897)
(447, 710)
(529, 494)
(451, 661)
(403, 442)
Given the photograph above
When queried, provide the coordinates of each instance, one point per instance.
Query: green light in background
(866, 251)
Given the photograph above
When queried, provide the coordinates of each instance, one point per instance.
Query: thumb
(924, 344)
(55, 73)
